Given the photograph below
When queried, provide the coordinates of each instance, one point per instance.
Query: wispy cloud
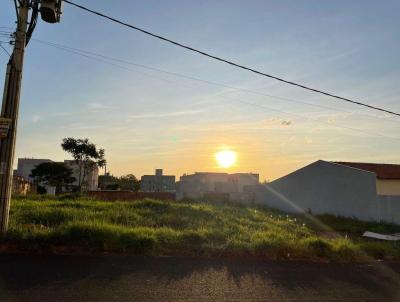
(82, 126)
(164, 115)
(308, 141)
(35, 118)
(96, 106)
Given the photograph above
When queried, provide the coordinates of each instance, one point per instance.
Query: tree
(106, 180)
(129, 182)
(53, 174)
(125, 182)
(86, 156)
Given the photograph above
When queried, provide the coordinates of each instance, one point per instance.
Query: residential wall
(198, 185)
(388, 209)
(388, 187)
(91, 179)
(244, 179)
(21, 186)
(195, 186)
(26, 165)
(324, 188)
(157, 183)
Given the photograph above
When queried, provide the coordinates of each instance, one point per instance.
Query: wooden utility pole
(9, 114)
(50, 11)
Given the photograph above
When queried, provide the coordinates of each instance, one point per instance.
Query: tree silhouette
(86, 156)
(53, 174)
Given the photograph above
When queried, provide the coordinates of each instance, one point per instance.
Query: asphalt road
(122, 278)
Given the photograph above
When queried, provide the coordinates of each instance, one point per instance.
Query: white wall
(26, 165)
(329, 188)
(91, 178)
(388, 208)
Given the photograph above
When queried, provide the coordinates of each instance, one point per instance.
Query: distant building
(91, 182)
(21, 185)
(26, 165)
(387, 176)
(157, 182)
(205, 184)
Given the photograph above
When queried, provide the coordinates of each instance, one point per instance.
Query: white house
(387, 176)
(26, 165)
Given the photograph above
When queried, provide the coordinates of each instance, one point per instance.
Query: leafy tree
(41, 190)
(113, 187)
(106, 180)
(53, 174)
(125, 182)
(129, 182)
(86, 156)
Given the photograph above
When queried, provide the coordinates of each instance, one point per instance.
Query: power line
(311, 119)
(208, 82)
(94, 58)
(90, 55)
(5, 50)
(228, 61)
(64, 47)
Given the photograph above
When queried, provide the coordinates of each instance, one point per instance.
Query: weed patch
(191, 228)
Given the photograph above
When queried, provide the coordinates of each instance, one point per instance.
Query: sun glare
(226, 158)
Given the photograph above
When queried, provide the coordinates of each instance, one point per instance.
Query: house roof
(382, 171)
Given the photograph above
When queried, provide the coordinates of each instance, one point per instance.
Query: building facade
(332, 188)
(157, 182)
(22, 185)
(26, 165)
(387, 176)
(206, 184)
(91, 181)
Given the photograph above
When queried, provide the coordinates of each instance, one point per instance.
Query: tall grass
(173, 228)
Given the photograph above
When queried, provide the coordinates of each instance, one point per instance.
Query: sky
(147, 119)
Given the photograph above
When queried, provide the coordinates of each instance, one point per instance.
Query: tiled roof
(383, 171)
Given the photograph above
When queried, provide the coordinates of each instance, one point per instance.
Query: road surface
(128, 278)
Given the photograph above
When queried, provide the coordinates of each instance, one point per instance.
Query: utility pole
(9, 113)
(50, 11)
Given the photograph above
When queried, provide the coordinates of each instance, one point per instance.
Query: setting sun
(226, 158)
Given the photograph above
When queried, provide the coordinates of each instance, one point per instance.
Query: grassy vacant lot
(186, 228)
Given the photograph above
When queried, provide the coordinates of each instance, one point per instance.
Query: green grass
(355, 227)
(154, 227)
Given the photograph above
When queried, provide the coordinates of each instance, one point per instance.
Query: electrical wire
(16, 7)
(208, 82)
(5, 50)
(228, 61)
(311, 119)
(92, 57)
(32, 24)
(181, 75)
